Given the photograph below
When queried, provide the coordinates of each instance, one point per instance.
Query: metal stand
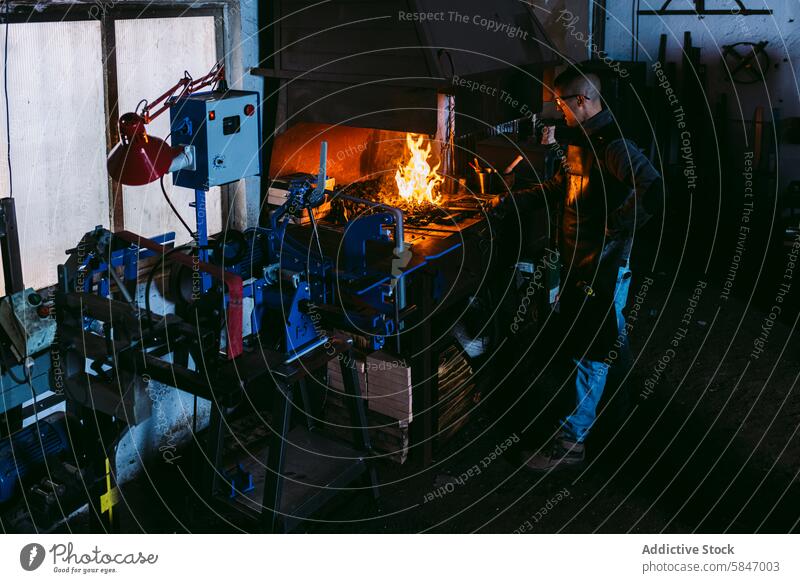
(424, 376)
(98, 440)
(304, 470)
(201, 236)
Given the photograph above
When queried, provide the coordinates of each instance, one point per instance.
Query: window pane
(58, 140)
(152, 55)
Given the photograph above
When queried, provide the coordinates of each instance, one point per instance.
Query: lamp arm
(185, 86)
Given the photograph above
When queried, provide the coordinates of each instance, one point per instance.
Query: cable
(174, 210)
(8, 113)
(138, 105)
(29, 379)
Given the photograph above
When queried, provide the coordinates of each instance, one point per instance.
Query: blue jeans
(590, 377)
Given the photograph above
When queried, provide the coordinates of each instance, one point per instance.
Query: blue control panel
(223, 128)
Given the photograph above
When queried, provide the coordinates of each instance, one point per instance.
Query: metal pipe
(122, 289)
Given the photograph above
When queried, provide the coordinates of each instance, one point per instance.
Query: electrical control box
(28, 322)
(224, 130)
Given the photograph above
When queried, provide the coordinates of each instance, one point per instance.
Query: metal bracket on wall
(701, 10)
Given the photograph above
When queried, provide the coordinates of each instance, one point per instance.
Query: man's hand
(548, 135)
(497, 200)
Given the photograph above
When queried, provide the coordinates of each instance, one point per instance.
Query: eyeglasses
(563, 98)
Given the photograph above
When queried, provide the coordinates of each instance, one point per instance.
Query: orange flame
(417, 182)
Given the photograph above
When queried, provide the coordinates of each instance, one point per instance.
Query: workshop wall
(243, 54)
(632, 37)
(353, 153)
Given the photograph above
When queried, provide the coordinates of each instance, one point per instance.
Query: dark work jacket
(606, 189)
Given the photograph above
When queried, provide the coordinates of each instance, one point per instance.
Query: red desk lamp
(140, 158)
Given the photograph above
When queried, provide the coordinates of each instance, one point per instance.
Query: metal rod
(121, 286)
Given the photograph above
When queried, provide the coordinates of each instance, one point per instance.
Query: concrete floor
(713, 447)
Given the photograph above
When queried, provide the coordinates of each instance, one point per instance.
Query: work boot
(562, 452)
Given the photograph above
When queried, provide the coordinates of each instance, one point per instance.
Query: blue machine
(287, 287)
(223, 128)
(27, 449)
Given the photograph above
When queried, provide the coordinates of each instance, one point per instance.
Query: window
(62, 93)
(58, 140)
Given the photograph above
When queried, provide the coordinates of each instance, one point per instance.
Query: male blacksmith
(606, 189)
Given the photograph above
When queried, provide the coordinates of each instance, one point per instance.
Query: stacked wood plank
(458, 393)
(389, 386)
(335, 380)
(388, 433)
(386, 384)
(389, 437)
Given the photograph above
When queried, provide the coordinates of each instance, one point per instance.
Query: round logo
(31, 556)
